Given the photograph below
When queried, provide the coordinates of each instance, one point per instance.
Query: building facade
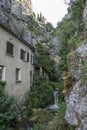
(16, 63)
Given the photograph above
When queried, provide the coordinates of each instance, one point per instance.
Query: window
(9, 48)
(27, 57)
(23, 55)
(31, 77)
(18, 74)
(31, 59)
(2, 73)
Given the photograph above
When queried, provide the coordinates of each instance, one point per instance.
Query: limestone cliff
(20, 7)
(85, 13)
(17, 7)
(76, 113)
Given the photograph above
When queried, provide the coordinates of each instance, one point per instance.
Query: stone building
(16, 63)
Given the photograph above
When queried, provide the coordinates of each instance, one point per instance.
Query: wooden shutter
(9, 48)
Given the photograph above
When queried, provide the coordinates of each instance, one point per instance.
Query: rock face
(76, 112)
(85, 13)
(5, 10)
(20, 7)
(16, 7)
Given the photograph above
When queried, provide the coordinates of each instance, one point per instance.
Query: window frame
(25, 56)
(22, 55)
(28, 56)
(3, 73)
(32, 59)
(9, 48)
(18, 75)
(31, 77)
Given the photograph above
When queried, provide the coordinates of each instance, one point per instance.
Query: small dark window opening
(18, 74)
(31, 77)
(31, 59)
(1, 72)
(23, 55)
(9, 48)
(27, 57)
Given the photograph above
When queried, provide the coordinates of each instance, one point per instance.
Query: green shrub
(75, 41)
(55, 122)
(8, 111)
(2, 84)
(34, 27)
(58, 122)
(41, 93)
(72, 60)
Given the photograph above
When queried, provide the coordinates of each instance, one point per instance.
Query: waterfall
(55, 99)
(55, 105)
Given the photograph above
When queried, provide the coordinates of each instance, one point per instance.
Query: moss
(72, 61)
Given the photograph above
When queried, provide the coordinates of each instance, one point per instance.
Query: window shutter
(21, 54)
(9, 48)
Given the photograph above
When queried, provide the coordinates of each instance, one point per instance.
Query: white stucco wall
(11, 63)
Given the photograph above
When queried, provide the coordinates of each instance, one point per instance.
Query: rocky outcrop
(85, 13)
(20, 7)
(16, 7)
(5, 10)
(76, 112)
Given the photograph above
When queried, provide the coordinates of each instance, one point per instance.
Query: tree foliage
(43, 58)
(76, 10)
(69, 31)
(41, 93)
(34, 27)
(65, 30)
(8, 110)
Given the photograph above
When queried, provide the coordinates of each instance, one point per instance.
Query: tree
(41, 92)
(43, 58)
(69, 31)
(8, 110)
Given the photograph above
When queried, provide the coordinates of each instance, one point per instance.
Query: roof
(17, 36)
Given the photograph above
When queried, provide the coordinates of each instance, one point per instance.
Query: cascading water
(55, 99)
(55, 105)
